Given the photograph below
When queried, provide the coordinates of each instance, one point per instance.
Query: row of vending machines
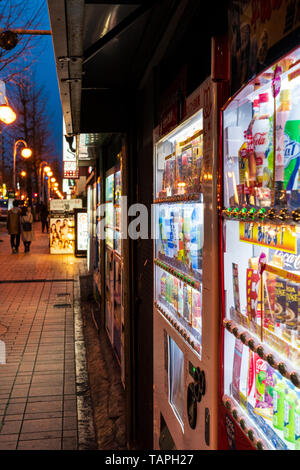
(226, 268)
(114, 307)
(105, 243)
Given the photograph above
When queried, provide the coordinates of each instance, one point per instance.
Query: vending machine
(109, 253)
(117, 266)
(114, 264)
(98, 265)
(186, 256)
(260, 253)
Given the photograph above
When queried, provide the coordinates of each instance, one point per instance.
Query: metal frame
(119, 28)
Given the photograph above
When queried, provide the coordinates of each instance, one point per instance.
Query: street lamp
(23, 174)
(49, 173)
(26, 153)
(7, 114)
(41, 178)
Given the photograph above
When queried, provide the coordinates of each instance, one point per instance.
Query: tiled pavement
(38, 400)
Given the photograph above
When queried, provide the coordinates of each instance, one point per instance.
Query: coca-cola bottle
(249, 191)
(281, 118)
(260, 132)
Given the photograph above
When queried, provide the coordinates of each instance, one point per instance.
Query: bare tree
(14, 14)
(34, 126)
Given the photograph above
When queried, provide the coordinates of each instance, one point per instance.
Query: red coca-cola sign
(259, 160)
(260, 138)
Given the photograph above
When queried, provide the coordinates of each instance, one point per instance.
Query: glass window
(109, 188)
(261, 139)
(179, 158)
(179, 235)
(268, 307)
(117, 189)
(261, 278)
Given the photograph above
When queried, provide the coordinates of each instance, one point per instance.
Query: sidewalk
(44, 403)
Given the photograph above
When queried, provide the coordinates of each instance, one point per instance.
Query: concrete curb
(86, 430)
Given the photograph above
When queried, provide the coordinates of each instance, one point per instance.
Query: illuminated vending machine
(186, 278)
(99, 250)
(109, 252)
(114, 264)
(260, 375)
(117, 267)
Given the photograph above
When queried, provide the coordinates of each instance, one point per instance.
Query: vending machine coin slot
(195, 392)
(199, 378)
(198, 393)
(295, 379)
(192, 405)
(207, 427)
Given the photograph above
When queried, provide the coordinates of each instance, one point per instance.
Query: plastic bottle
(167, 179)
(243, 163)
(248, 167)
(260, 132)
(292, 144)
(180, 253)
(282, 114)
(162, 231)
(187, 234)
(255, 108)
(278, 401)
(297, 422)
(171, 288)
(292, 150)
(168, 297)
(175, 292)
(196, 303)
(260, 381)
(195, 226)
(163, 286)
(171, 239)
(175, 225)
(289, 414)
(170, 233)
(269, 389)
(281, 118)
(250, 153)
(180, 298)
(187, 292)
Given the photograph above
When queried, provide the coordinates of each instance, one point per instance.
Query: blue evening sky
(44, 71)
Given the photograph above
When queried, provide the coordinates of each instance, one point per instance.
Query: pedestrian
(44, 217)
(13, 226)
(27, 228)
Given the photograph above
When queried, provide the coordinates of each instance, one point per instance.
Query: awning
(104, 50)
